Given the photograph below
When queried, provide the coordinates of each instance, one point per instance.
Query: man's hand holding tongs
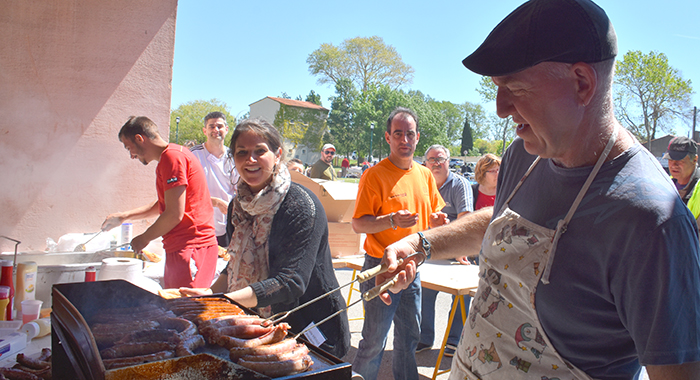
(407, 272)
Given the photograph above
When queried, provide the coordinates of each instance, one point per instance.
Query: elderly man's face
(438, 162)
(544, 106)
(681, 170)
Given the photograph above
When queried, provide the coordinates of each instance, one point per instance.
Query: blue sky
(242, 51)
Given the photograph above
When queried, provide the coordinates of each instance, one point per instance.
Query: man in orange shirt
(396, 197)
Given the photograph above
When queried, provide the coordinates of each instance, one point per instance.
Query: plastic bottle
(90, 274)
(4, 300)
(37, 328)
(6, 280)
(26, 283)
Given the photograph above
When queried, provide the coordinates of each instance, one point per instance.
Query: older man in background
(457, 194)
(682, 155)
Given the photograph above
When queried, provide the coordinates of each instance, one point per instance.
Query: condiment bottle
(6, 280)
(4, 300)
(90, 273)
(37, 328)
(26, 283)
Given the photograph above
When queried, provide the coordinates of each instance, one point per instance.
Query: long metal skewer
(362, 277)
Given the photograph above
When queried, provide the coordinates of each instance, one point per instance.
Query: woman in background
(486, 175)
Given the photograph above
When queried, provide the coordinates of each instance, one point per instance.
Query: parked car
(454, 162)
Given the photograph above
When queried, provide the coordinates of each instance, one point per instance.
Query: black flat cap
(538, 31)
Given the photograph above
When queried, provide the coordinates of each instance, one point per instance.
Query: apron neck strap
(563, 223)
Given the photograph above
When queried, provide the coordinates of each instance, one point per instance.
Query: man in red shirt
(184, 210)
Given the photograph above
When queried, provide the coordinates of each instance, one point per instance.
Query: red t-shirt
(484, 200)
(345, 163)
(179, 167)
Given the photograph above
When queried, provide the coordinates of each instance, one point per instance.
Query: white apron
(503, 338)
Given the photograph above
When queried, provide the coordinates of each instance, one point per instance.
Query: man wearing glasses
(323, 168)
(457, 194)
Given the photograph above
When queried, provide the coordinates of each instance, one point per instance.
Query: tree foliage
(467, 138)
(499, 128)
(191, 116)
(366, 61)
(301, 126)
(650, 94)
(341, 118)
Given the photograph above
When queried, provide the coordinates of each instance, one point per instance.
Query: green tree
(650, 94)
(454, 117)
(366, 61)
(467, 138)
(501, 128)
(314, 98)
(191, 116)
(301, 126)
(341, 118)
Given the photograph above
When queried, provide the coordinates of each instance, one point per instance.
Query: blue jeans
(427, 324)
(405, 313)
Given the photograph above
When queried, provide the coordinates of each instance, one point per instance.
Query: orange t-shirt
(384, 188)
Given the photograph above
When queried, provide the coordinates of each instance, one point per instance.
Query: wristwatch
(425, 244)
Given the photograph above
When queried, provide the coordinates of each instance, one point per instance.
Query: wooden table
(442, 275)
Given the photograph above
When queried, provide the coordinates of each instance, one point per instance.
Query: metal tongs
(366, 296)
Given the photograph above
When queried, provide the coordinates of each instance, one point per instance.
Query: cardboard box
(344, 241)
(337, 197)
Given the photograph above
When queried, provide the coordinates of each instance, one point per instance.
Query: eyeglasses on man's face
(329, 152)
(436, 160)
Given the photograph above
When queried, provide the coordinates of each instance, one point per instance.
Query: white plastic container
(12, 343)
(37, 329)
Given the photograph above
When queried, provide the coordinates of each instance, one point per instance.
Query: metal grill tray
(75, 303)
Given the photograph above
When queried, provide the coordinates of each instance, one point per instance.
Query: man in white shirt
(219, 169)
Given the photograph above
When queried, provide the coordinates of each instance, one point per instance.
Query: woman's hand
(193, 292)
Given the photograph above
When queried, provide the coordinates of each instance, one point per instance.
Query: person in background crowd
(395, 198)
(296, 165)
(365, 166)
(344, 165)
(183, 208)
(457, 194)
(323, 168)
(682, 155)
(218, 168)
(279, 250)
(486, 176)
(589, 266)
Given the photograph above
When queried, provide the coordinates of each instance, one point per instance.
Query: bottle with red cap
(6, 280)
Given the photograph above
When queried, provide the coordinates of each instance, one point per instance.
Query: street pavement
(426, 360)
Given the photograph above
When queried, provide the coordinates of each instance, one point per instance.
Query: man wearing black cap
(682, 156)
(589, 261)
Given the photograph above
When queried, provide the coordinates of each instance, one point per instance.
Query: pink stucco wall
(71, 73)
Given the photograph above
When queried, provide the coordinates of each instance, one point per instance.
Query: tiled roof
(298, 103)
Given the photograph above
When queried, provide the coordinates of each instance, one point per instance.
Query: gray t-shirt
(626, 273)
(457, 194)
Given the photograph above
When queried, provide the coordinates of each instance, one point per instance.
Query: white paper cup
(30, 310)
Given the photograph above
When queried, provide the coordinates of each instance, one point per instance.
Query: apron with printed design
(503, 337)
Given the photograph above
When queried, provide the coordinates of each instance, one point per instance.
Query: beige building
(72, 72)
(309, 114)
